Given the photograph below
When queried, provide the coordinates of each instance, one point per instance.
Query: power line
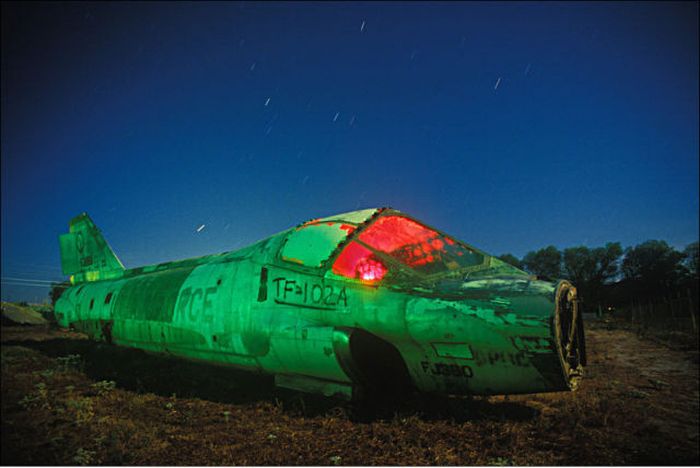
(41, 266)
(32, 280)
(10, 283)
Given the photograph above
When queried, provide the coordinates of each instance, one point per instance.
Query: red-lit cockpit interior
(356, 261)
(414, 245)
(405, 240)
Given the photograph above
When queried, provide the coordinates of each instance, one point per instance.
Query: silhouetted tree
(590, 269)
(692, 259)
(653, 267)
(579, 265)
(545, 263)
(512, 260)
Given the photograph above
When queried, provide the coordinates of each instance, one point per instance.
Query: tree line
(612, 276)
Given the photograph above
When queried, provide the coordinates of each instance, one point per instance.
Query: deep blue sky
(250, 118)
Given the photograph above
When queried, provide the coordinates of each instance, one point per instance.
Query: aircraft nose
(501, 336)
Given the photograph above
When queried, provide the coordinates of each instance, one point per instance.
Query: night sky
(511, 126)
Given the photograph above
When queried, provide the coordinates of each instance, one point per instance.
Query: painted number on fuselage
(196, 305)
(447, 370)
(493, 358)
(314, 295)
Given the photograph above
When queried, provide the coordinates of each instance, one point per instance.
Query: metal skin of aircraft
(343, 305)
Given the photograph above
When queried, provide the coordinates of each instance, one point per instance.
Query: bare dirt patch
(67, 400)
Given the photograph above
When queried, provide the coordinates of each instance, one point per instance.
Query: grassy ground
(66, 400)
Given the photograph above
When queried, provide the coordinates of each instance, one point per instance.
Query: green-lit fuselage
(318, 333)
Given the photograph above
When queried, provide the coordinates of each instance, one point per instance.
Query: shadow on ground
(142, 372)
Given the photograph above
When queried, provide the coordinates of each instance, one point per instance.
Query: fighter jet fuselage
(364, 300)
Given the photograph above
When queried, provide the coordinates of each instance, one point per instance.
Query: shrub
(103, 387)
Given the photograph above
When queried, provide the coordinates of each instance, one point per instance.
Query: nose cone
(523, 335)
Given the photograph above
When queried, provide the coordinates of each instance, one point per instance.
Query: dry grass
(66, 400)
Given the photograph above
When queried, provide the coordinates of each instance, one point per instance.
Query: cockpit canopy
(384, 245)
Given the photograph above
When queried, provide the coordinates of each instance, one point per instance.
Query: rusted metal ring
(568, 335)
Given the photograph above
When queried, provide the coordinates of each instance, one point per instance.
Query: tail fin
(85, 255)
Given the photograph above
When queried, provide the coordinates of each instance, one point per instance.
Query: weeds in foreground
(82, 409)
(70, 362)
(103, 387)
(40, 398)
(89, 422)
(83, 457)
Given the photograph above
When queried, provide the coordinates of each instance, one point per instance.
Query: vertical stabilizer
(85, 255)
